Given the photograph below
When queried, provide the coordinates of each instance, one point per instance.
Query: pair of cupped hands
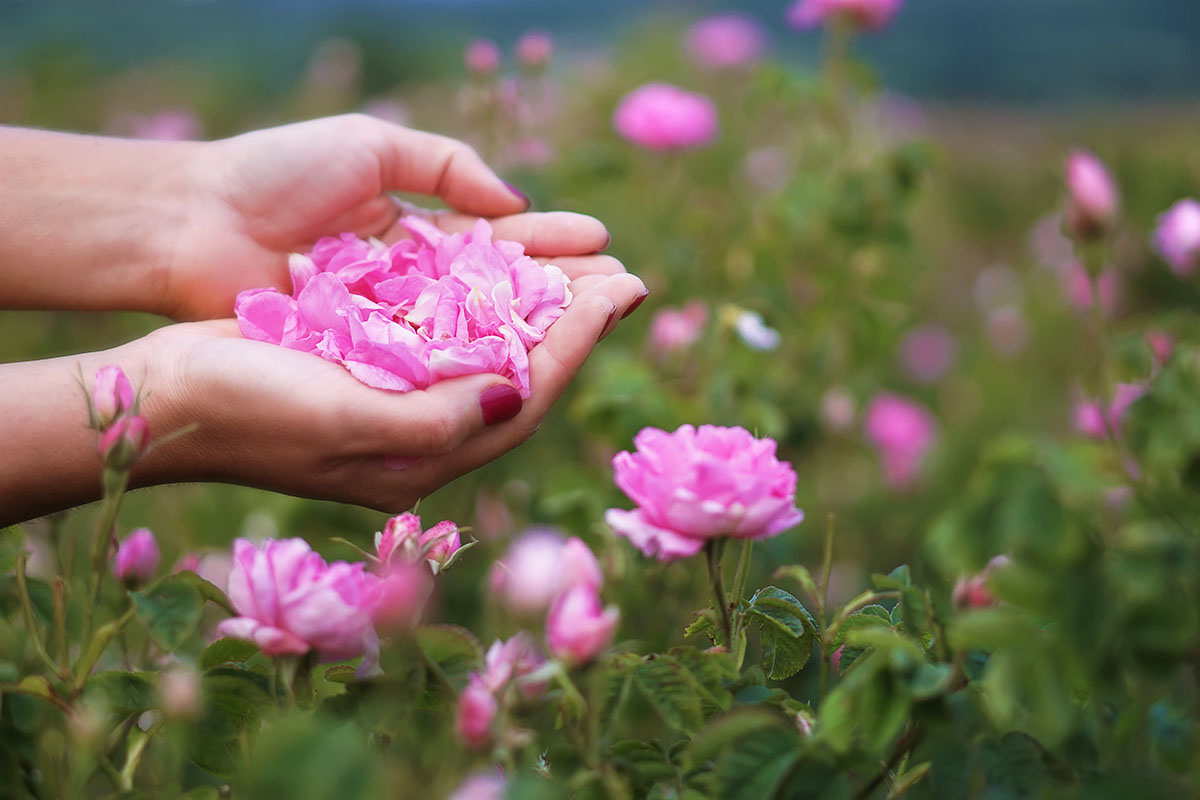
(284, 420)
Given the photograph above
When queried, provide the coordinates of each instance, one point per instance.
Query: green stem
(712, 553)
(739, 582)
(115, 484)
(96, 646)
(826, 566)
(35, 633)
(138, 740)
(60, 628)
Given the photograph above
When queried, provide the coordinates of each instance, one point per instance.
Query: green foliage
(170, 610)
(789, 632)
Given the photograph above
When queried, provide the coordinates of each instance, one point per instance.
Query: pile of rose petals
(405, 316)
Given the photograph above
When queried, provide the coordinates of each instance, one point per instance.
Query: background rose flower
(694, 485)
(482, 56)
(512, 660)
(534, 50)
(477, 708)
(928, 352)
(538, 567)
(674, 329)
(1177, 237)
(725, 40)
(659, 116)
(1092, 197)
(903, 433)
(290, 601)
(579, 627)
(137, 557)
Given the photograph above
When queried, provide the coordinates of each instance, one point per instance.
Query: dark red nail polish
(499, 403)
(524, 197)
(605, 331)
(637, 302)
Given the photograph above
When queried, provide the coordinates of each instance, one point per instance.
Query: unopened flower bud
(578, 627)
(137, 557)
(124, 442)
(1092, 198)
(476, 710)
(972, 591)
(482, 57)
(112, 396)
(440, 543)
(534, 50)
(400, 539)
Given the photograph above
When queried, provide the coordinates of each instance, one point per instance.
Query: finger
(426, 163)
(549, 233)
(431, 421)
(371, 218)
(575, 267)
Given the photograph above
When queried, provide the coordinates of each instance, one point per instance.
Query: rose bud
(112, 396)
(513, 660)
(124, 442)
(972, 591)
(1092, 198)
(440, 543)
(578, 627)
(476, 710)
(399, 539)
(482, 57)
(137, 557)
(1177, 237)
(540, 566)
(534, 50)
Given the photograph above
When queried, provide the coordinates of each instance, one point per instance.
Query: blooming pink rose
(124, 442)
(289, 601)
(112, 396)
(694, 485)
(137, 557)
(972, 591)
(1093, 421)
(511, 661)
(482, 56)
(538, 567)
(903, 433)
(396, 599)
(481, 786)
(928, 352)
(869, 15)
(578, 627)
(674, 329)
(424, 309)
(659, 116)
(1177, 237)
(534, 50)
(725, 40)
(1092, 198)
(477, 708)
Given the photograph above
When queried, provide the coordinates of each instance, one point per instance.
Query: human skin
(179, 228)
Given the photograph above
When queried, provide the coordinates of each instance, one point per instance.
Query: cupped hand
(262, 195)
(292, 422)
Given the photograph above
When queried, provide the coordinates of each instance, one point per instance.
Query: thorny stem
(739, 585)
(712, 552)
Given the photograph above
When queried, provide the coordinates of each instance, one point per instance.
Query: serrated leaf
(673, 691)
(170, 610)
(455, 650)
(226, 651)
(126, 692)
(788, 631)
(234, 704)
(754, 767)
(718, 735)
(703, 623)
(869, 617)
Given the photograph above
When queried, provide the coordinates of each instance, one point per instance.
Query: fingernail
(607, 241)
(608, 324)
(499, 403)
(637, 302)
(524, 197)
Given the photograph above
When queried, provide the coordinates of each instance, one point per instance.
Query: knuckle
(439, 433)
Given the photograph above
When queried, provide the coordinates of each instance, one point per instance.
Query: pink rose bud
(1161, 344)
(928, 352)
(290, 601)
(511, 661)
(659, 116)
(400, 539)
(973, 592)
(868, 15)
(398, 597)
(675, 329)
(137, 557)
(1092, 420)
(725, 40)
(534, 50)
(1177, 237)
(112, 396)
(903, 433)
(188, 562)
(124, 442)
(578, 627)
(179, 689)
(699, 484)
(1092, 198)
(538, 567)
(481, 786)
(439, 543)
(476, 710)
(482, 57)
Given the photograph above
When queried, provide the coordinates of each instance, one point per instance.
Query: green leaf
(719, 734)
(788, 631)
(207, 590)
(340, 673)
(800, 575)
(170, 610)
(673, 691)
(704, 622)
(868, 617)
(126, 692)
(455, 650)
(755, 766)
(234, 703)
(899, 578)
(226, 651)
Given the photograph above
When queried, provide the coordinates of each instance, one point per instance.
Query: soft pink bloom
(1162, 344)
(903, 433)
(124, 442)
(512, 660)
(726, 40)
(1007, 330)
(928, 352)
(538, 567)
(674, 329)
(534, 50)
(838, 409)
(694, 485)
(1177, 237)
(971, 591)
(171, 125)
(481, 786)
(578, 627)
(290, 601)
(399, 540)
(179, 690)
(137, 557)
(424, 309)
(863, 14)
(659, 116)
(1080, 290)
(112, 396)
(482, 56)
(396, 599)
(188, 562)
(1092, 197)
(1093, 421)
(477, 709)
(440, 543)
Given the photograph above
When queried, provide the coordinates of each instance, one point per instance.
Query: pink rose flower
(481, 786)
(482, 56)
(695, 485)
(903, 433)
(476, 710)
(659, 116)
(725, 40)
(534, 50)
(112, 396)
(1177, 237)
(400, 539)
(1161, 345)
(674, 329)
(538, 567)
(1096, 422)
(869, 15)
(289, 601)
(137, 557)
(928, 352)
(396, 599)
(511, 661)
(440, 543)
(124, 442)
(578, 627)
(424, 309)
(972, 591)
(1092, 198)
